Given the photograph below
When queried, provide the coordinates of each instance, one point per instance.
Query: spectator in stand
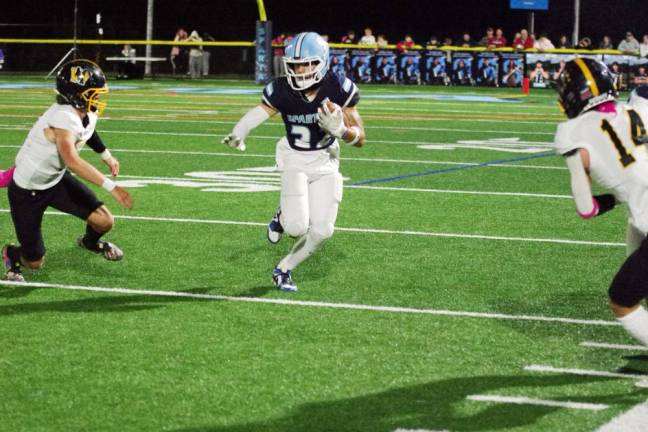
(195, 55)
(606, 43)
(629, 45)
(563, 42)
(640, 78)
(585, 43)
(561, 68)
(543, 43)
(487, 38)
(368, 38)
(447, 41)
(433, 42)
(643, 46)
(499, 41)
(524, 41)
(277, 60)
(618, 77)
(349, 37)
(178, 54)
(405, 44)
(206, 54)
(126, 69)
(466, 41)
(381, 41)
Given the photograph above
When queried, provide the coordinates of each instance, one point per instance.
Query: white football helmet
(639, 97)
(311, 51)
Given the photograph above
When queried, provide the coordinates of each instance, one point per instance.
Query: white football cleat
(275, 230)
(283, 280)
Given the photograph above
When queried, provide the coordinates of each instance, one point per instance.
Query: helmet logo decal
(79, 75)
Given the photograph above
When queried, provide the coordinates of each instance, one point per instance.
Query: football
(348, 119)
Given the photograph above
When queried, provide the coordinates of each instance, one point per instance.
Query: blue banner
(530, 4)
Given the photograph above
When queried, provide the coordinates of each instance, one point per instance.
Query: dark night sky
(234, 19)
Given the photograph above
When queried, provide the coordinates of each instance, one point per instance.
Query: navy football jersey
(300, 115)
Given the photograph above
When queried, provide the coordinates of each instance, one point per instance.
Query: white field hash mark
(315, 304)
(634, 420)
(589, 344)
(365, 230)
(522, 400)
(582, 372)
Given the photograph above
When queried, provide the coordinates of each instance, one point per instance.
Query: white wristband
(109, 185)
(356, 130)
(105, 155)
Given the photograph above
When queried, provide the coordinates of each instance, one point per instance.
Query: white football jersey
(38, 164)
(618, 156)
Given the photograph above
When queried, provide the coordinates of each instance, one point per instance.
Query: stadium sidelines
(315, 304)
(365, 230)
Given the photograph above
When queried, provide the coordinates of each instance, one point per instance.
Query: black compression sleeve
(605, 202)
(95, 143)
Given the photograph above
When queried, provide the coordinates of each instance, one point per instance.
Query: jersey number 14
(637, 132)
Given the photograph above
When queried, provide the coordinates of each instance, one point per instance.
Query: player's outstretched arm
(249, 121)
(65, 144)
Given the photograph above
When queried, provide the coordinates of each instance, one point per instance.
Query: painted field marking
(521, 400)
(420, 430)
(455, 168)
(634, 420)
(364, 230)
(477, 131)
(316, 304)
(272, 156)
(516, 194)
(582, 372)
(613, 346)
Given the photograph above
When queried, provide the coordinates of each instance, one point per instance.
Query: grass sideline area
(460, 291)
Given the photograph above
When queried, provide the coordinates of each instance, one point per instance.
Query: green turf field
(440, 297)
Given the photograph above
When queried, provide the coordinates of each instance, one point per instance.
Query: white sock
(304, 248)
(636, 323)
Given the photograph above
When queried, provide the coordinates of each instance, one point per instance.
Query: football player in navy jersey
(319, 110)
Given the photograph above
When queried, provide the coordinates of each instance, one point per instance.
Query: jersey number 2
(637, 131)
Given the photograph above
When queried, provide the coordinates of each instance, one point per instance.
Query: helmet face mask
(80, 84)
(306, 61)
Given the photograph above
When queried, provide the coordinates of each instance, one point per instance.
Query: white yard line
(634, 420)
(344, 159)
(232, 178)
(316, 304)
(582, 372)
(477, 131)
(521, 400)
(613, 346)
(366, 230)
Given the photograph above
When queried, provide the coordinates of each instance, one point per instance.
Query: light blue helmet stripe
(298, 44)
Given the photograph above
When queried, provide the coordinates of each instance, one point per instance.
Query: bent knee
(322, 231)
(295, 228)
(37, 264)
(101, 220)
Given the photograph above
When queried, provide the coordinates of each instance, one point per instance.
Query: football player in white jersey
(314, 103)
(606, 141)
(41, 178)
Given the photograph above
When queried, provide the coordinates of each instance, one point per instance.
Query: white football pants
(309, 206)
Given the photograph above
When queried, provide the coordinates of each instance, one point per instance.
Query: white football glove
(331, 122)
(234, 142)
